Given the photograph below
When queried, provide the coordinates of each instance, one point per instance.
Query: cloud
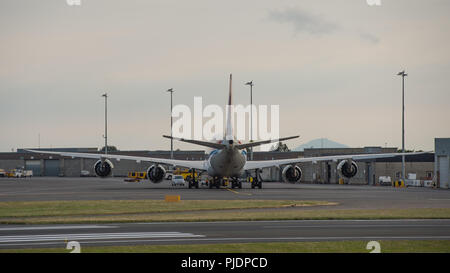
(304, 21)
(369, 37)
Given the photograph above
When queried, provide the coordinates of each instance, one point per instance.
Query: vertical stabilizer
(229, 128)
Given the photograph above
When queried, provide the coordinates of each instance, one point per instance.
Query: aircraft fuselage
(226, 162)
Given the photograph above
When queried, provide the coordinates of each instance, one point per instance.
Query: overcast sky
(330, 65)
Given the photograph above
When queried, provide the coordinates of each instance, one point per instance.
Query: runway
(222, 232)
(348, 196)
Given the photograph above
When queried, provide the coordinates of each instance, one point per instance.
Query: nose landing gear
(215, 182)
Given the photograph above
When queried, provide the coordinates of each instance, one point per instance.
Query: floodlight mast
(171, 123)
(106, 122)
(403, 74)
(250, 83)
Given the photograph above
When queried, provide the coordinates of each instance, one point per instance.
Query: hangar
(369, 172)
(422, 166)
(55, 165)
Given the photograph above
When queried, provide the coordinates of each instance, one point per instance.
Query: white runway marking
(358, 226)
(96, 236)
(55, 227)
(254, 239)
(292, 221)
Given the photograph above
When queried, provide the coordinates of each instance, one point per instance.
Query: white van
(178, 180)
(384, 180)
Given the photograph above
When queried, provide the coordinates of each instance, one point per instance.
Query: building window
(398, 175)
(429, 174)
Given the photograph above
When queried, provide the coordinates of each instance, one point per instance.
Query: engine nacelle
(347, 170)
(156, 173)
(292, 174)
(103, 168)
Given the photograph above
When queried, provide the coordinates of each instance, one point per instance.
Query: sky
(330, 66)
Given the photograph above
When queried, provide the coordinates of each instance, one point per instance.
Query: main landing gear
(235, 183)
(193, 182)
(217, 181)
(257, 182)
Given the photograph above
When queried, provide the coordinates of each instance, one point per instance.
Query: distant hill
(320, 143)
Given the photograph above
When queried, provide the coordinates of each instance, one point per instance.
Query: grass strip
(117, 207)
(388, 246)
(242, 215)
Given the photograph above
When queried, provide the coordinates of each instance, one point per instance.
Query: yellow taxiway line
(236, 192)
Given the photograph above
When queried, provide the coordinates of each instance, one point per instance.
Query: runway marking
(95, 236)
(297, 238)
(238, 192)
(291, 221)
(251, 239)
(56, 227)
(356, 226)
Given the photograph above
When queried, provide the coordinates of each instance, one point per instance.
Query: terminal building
(423, 167)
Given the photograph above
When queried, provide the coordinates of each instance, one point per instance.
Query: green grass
(123, 211)
(289, 247)
(240, 215)
(126, 210)
(116, 207)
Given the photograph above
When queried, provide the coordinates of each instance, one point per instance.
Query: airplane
(227, 160)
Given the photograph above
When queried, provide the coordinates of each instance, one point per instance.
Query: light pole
(403, 74)
(251, 117)
(106, 122)
(171, 123)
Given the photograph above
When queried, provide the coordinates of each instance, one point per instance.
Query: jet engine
(292, 174)
(156, 173)
(346, 169)
(103, 168)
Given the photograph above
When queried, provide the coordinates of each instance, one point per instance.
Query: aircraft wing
(251, 165)
(196, 164)
(257, 143)
(199, 142)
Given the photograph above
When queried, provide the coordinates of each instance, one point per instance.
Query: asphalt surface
(348, 196)
(222, 232)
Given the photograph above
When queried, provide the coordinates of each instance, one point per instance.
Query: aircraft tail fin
(229, 128)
